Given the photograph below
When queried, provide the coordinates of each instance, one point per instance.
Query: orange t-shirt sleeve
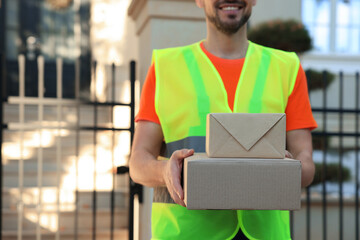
(298, 109)
(147, 100)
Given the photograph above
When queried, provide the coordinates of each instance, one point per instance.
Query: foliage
(287, 35)
(291, 36)
(332, 173)
(320, 142)
(316, 79)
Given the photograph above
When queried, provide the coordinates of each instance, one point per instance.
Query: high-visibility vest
(188, 87)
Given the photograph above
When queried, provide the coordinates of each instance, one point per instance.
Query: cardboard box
(230, 183)
(250, 135)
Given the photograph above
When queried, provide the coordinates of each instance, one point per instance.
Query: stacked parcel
(244, 166)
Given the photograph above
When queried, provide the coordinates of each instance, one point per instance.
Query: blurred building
(65, 77)
(59, 151)
(334, 28)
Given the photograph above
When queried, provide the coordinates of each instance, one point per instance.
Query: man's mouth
(231, 6)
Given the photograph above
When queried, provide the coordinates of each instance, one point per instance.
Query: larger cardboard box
(235, 183)
(251, 135)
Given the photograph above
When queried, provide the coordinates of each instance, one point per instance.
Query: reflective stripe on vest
(188, 87)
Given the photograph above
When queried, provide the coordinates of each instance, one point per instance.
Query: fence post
(134, 187)
(341, 148)
(132, 129)
(2, 89)
(324, 170)
(1, 139)
(357, 79)
(94, 196)
(308, 197)
(112, 195)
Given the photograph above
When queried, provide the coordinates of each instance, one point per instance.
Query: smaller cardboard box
(249, 135)
(236, 183)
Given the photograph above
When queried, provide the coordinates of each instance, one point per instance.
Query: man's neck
(227, 46)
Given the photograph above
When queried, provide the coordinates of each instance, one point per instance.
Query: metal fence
(335, 193)
(335, 107)
(43, 192)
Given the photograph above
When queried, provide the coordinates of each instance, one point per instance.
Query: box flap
(260, 124)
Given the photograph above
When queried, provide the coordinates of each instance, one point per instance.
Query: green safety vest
(188, 87)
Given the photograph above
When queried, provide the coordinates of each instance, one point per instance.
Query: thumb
(187, 152)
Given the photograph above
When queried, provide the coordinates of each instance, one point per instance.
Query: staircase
(62, 221)
(46, 200)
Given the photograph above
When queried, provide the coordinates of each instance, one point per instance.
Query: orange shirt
(298, 110)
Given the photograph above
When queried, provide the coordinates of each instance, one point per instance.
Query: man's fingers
(288, 154)
(181, 202)
(174, 173)
(177, 200)
(174, 193)
(188, 152)
(179, 155)
(178, 189)
(183, 153)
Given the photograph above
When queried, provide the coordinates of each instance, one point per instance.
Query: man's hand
(172, 174)
(147, 170)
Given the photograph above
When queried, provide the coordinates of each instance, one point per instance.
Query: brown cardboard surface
(239, 183)
(250, 135)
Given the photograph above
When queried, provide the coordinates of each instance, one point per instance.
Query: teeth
(230, 8)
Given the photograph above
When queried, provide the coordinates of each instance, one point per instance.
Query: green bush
(287, 35)
(332, 173)
(316, 79)
(319, 142)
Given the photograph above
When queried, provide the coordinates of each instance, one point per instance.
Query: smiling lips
(230, 6)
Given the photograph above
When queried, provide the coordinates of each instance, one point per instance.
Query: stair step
(31, 166)
(119, 234)
(49, 179)
(49, 219)
(10, 198)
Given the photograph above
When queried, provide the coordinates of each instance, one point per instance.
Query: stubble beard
(228, 28)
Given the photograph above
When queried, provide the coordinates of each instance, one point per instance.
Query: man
(223, 73)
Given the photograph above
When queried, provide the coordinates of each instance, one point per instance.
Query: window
(52, 29)
(57, 32)
(333, 24)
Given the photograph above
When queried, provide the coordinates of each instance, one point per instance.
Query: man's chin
(229, 31)
(230, 28)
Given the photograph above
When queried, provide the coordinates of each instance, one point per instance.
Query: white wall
(113, 37)
(113, 40)
(164, 23)
(266, 10)
(161, 24)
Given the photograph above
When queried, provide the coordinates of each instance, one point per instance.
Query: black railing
(357, 179)
(2, 87)
(134, 189)
(324, 133)
(95, 103)
(341, 135)
(1, 140)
